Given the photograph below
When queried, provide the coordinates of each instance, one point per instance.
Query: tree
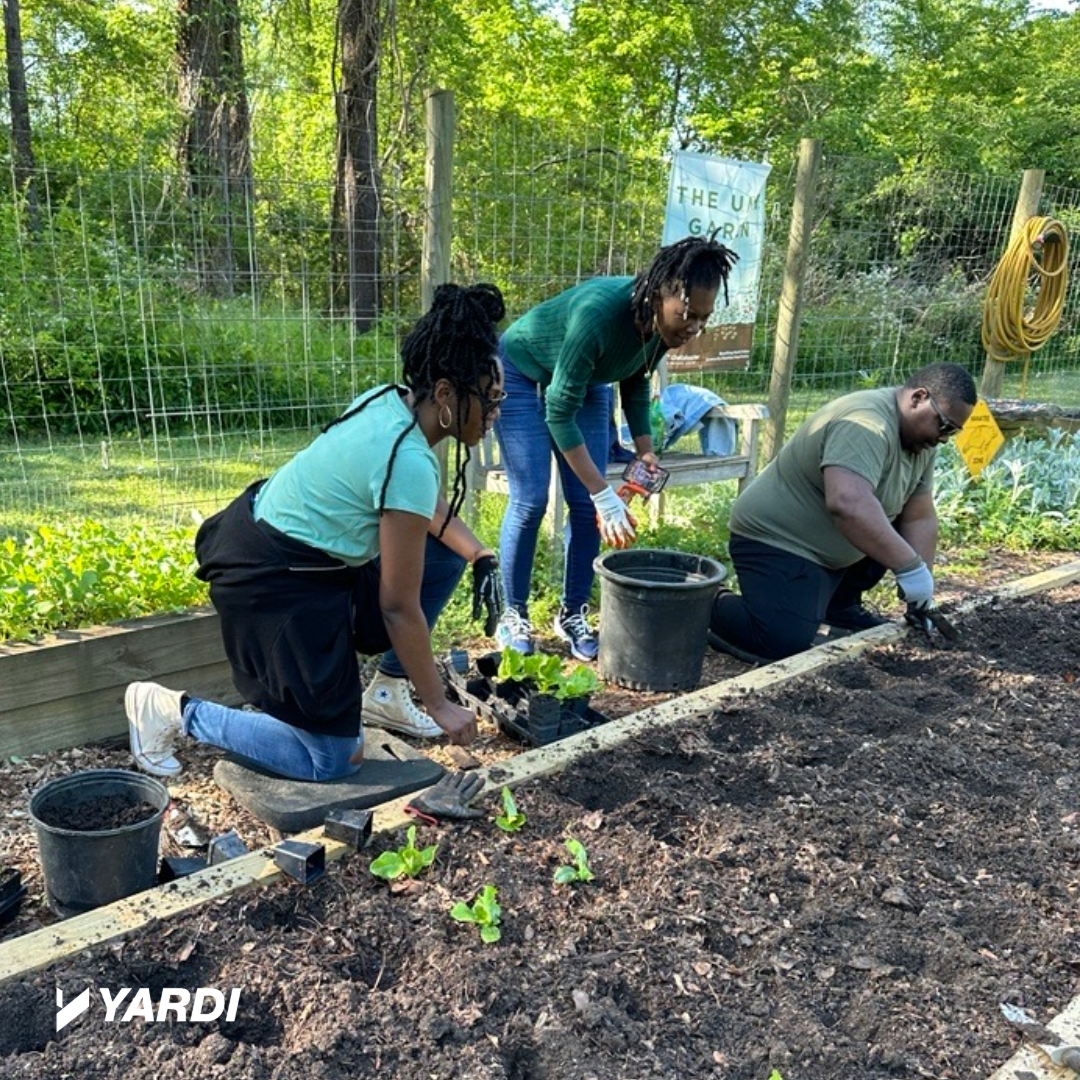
(215, 147)
(354, 229)
(22, 146)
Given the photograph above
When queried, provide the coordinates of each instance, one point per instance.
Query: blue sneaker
(514, 631)
(572, 626)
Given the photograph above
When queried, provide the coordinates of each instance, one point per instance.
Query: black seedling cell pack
(300, 860)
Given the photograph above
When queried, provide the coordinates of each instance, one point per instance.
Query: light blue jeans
(526, 447)
(278, 747)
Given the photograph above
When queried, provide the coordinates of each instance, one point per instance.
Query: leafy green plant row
(85, 574)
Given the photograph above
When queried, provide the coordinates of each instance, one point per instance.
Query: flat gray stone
(391, 768)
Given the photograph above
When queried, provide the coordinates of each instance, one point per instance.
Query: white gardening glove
(617, 527)
(915, 584)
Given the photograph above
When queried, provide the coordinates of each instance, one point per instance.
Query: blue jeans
(526, 447)
(271, 744)
(282, 748)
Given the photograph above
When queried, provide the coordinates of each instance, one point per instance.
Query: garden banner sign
(707, 193)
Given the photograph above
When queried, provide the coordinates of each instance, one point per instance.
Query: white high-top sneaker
(387, 703)
(154, 724)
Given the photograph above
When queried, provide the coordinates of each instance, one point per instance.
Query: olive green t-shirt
(784, 505)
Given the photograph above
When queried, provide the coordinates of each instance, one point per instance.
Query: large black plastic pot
(85, 868)
(654, 614)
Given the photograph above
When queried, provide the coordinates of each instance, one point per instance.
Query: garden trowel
(1042, 1038)
(931, 619)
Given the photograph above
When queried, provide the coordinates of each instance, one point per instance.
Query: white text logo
(175, 1003)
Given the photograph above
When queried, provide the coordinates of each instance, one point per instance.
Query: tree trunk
(354, 227)
(21, 143)
(215, 146)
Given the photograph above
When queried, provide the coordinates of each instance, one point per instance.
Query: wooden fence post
(789, 315)
(1027, 205)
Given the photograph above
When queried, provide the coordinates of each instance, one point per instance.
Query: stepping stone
(391, 768)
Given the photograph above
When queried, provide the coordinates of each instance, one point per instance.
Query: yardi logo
(76, 1007)
(205, 1004)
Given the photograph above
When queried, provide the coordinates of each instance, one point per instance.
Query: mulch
(843, 877)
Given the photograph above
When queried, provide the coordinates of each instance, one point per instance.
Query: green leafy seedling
(545, 672)
(567, 875)
(484, 911)
(511, 819)
(408, 861)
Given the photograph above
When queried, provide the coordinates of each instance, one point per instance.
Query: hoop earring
(447, 420)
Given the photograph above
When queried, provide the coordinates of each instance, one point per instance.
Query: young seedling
(511, 819)
(408, 861)
(485, 912)
(567, 875)
(545, 672)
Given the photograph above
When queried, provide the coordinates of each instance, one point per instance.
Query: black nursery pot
(85, 868)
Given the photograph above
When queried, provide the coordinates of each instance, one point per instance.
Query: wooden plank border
(46, 946)
(68, 689)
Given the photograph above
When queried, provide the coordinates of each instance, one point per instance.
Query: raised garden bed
(68, 689)
(842, 877)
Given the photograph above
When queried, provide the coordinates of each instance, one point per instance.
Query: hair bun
(490, 299)
(485, 296)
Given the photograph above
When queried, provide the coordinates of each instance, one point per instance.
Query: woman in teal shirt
(559, 360)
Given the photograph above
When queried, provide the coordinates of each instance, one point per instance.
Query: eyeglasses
(490, 402)
(945, 425)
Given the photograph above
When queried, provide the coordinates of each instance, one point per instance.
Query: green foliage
(569, 875)
(408, 861)
(1026, 498)
(545, 672)
(84, 573)
(511, 819)
(484, 912)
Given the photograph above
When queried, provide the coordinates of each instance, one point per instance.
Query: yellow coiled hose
(1037, 258)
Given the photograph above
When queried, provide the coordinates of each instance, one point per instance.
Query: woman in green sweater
(559, 360)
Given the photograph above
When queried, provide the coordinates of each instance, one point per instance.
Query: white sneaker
(154, 721)
(387, 703)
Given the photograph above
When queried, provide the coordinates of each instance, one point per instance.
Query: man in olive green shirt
(849, 497)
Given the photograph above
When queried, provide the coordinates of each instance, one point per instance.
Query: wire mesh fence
(120, 357)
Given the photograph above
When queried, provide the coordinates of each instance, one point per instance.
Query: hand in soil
(450, 797)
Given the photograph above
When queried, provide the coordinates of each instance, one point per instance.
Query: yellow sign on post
(980, 440)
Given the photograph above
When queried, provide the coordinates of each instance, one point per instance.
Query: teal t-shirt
(784, 505)
(581, 337)
(327, 496)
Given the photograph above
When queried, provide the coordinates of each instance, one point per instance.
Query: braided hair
(691, 263)
(455, 340)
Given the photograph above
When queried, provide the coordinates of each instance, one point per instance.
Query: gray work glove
(915, 584)
(450, 797)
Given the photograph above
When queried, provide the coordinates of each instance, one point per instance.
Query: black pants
(784, 598)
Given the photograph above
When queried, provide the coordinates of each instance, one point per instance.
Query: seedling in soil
(567, 875)
(511, 819)
(485, 912)
(408, 861)
(545, 672)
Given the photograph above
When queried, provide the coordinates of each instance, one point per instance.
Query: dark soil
(840, 879)
(102, 814)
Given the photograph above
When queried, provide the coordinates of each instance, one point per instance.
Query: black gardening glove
(487, 594)
(450, 797)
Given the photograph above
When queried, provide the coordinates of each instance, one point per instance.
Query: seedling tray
(532, 718)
